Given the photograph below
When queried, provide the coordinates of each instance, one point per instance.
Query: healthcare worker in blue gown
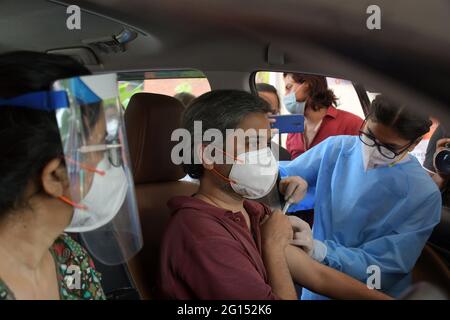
(375, 205)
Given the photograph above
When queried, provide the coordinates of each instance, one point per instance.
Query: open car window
(182, 84)
(344, 90)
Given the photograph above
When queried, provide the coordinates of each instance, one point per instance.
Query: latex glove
(293, 188)
(302, 234)
(303, 238)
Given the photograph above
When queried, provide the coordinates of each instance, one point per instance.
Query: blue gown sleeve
(306, 165)
(393, 253)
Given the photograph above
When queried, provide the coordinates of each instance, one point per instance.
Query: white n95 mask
(254, 173)
(103, 200)
(372, 158)
(292, 105)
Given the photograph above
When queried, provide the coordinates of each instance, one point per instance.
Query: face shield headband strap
(39, 100)
(53, 100)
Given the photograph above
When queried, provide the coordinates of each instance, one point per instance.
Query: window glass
(184, 85)
(347, 98)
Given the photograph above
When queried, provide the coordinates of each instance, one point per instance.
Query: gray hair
(221, 110)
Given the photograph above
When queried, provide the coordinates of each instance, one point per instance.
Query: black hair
(186, 98)
(408, 124)
(29, 138)
(320, 96)
(265, 87)
(222, 110)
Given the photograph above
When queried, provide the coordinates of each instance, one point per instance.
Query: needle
(286, 206)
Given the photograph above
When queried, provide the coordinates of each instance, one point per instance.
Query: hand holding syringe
(294, 190)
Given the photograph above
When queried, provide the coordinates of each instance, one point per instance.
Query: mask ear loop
(217, 173)
(404, 154)
(73, 204)
(85, 167)
(397, 161)
(296, 90)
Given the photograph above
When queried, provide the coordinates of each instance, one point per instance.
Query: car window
(372, 95)
(347, 98)
(183, 85)
(343, 89)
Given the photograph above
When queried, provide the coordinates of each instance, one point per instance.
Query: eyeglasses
(369, 140)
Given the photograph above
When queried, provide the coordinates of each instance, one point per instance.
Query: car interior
(226, 44)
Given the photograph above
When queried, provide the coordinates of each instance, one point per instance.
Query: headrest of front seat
(150, 120)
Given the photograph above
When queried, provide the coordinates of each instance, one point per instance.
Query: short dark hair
(408, 124)
(222, 110)
(265, 87)
(320, 96)
(29, 138)
(186, 98)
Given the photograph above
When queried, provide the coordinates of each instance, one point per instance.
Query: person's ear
(204, 153)
(54, 178)
(306, 87)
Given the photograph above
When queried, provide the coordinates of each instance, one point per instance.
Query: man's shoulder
(196, 221)
(256, 207)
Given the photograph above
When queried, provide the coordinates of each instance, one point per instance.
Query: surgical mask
(253, 174)
(372, 158)
(103, 200)
(292, 105)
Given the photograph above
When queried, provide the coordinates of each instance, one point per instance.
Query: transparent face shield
(98, 166)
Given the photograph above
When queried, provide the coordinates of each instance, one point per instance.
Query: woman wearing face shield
(375, 205)
(56, 161)
(309, 95)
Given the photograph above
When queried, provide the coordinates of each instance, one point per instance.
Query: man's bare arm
(325, 280)
(278, 272)
(276, 233)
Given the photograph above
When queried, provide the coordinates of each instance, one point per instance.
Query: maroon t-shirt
(208, 253)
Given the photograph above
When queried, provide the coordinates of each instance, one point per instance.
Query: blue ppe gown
(382, 217)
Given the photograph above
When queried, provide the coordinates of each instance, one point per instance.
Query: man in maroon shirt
(322, 119)
(221, 245)
(215, 246)
(217, 255)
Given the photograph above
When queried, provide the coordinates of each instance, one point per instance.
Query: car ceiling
(408, 58)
